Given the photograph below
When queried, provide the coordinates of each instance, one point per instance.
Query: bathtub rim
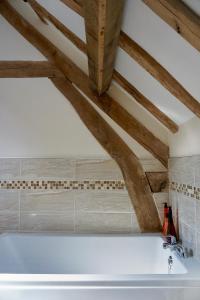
(189, 279)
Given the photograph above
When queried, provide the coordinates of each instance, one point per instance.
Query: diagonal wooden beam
(141, 99)
(180, 17)
(67, 33)
(155, 69)
(134, 176)
(158, 181)
(111, 107)
(74, 5)
(24, 69)
(102, 26)
(159, 73)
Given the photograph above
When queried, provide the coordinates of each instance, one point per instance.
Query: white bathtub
(55, 267)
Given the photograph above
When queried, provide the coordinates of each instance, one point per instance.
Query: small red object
(165, 222)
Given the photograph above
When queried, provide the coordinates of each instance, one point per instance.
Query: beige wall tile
(52, 168)
(188, 237)
(43, 201)
(186, 170)
(198, 246)
(9, 168)
(187, 210)
(9, 200)
(103, 222)
(97, 169)
(47, 222)
(103, 201)
(161, 198)
(134, 224)
(9, 220)
(152, 165)
(198, 215)
(197, 181)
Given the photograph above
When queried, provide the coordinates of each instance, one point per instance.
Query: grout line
(75, 216)
(19, 204)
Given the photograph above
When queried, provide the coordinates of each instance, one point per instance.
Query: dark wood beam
(146, 103)
(141, 99)
(134, 176)
(158, 181)
(159, 72)
(62, 28)
(74, 5)
(102, 26)
(111, 107)
(155, 69)
(24, 69)
(180, 17)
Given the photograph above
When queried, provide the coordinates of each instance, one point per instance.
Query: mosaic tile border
(185, 189)
(63, 184)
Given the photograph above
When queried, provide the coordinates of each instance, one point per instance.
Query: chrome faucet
(172, 244)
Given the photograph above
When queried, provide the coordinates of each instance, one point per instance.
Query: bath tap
(172, 244)
(170, 262)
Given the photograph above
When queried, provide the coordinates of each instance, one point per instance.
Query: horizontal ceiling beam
(155, 69)
(26, 69)
(111, 107)
(102, 27)
(141, 99)
(180, 17)
(134, 176)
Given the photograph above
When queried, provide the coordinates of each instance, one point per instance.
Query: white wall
(37, 121)
(186, 141)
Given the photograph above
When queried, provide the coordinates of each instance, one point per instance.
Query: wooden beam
(159, 73)
(158, 181)
(24, 69)
(155, 69)
(142, 100)
(111, 107)
(75, 6)
(180, 17)
(67, 33)
(131, 168)
(102, 26)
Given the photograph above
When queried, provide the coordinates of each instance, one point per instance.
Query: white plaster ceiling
(161, 41)
(155, 36)
(146, 28)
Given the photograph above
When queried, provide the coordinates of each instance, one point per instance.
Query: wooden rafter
(102, 26)
(155, 69)
(158, 181)
(141, 99)
(135, 179)
(116, 112)
(74, 5)
(24, 69)
(159, 73)
(68, 33)
(180, 17)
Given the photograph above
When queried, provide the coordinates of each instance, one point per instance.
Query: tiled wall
(184, 176)
(71, 195)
